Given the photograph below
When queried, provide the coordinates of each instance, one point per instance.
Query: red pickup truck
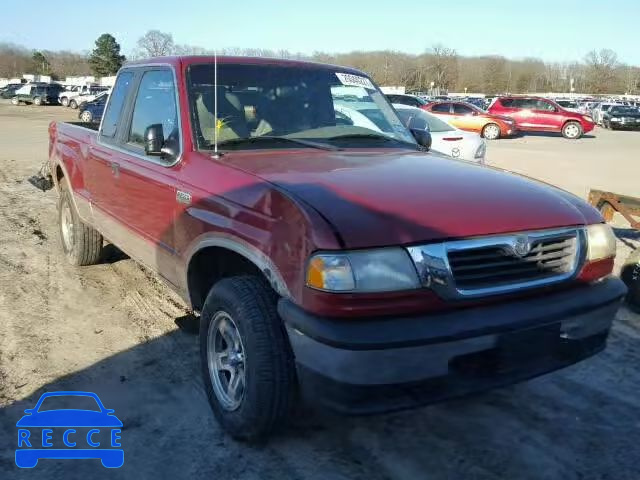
(327, 252)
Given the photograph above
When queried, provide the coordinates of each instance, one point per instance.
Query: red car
(328, 253)
(535, 114)
(466, 116)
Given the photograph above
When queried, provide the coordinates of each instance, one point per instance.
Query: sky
(551, 30)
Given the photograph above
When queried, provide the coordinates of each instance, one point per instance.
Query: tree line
(438, 69)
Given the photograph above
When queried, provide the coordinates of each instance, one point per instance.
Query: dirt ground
(111, 329)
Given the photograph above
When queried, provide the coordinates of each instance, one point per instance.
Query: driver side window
(155, 104)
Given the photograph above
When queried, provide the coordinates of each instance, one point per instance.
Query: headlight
(601, 242)
(588, 118)
(380, 270)
(615, 119)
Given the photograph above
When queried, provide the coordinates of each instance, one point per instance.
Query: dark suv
(38, 94)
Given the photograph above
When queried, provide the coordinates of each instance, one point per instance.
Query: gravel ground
(111, 329)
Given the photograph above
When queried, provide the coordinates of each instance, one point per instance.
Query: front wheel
(81, 243)
(73, 104)
(37, 101)
(491, 131)
(86, 116)
(247, 363)
(572, 130)
(15, 101)
(64, 101)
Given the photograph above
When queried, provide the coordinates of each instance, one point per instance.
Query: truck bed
(90, 125)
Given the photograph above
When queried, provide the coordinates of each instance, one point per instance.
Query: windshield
(624, 111)
(318, 104)
(417, 118)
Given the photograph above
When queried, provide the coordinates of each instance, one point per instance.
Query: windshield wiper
(274, 139)
(373, 136)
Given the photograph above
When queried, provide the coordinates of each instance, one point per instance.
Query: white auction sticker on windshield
(355, 80)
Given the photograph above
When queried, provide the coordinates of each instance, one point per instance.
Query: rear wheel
(64, 101)
(15, 101)
(37, 101)
(572, 130)
(247, 364)
(73, 104)
(491, 131)
(81, 243)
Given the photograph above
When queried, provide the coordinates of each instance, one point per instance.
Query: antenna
(215, 103)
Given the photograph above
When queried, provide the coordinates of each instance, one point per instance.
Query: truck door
(146, 186)
(101, 177)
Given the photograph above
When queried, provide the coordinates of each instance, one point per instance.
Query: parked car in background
(409, 100)
(8, 91)
(37, 94)
(466, 116)
(91, 112)
(621, 117)
(445, 138)
(477, 101)
(88, 95)
(535, 114)
(569, 105)
(70, 91)
(600, 109)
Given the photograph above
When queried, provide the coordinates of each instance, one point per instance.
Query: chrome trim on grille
(432, 261)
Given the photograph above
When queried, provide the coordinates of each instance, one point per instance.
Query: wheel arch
(214, 258)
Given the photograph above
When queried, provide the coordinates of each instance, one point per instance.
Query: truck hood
(395, 197)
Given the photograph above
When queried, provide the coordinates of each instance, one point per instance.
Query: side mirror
(423, 137)
(154, 140)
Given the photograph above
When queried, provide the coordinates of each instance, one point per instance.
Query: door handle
(115, 169)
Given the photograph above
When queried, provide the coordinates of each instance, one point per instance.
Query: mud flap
(42, 180)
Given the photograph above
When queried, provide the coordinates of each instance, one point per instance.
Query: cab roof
(184, 61)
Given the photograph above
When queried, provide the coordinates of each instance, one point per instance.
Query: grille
(491, 266)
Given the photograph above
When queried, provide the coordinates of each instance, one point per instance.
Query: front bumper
(357, 366)
(625, 124)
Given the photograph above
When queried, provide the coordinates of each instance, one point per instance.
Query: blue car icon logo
(91, 432)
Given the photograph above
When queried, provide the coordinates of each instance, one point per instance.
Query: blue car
(63, 420)
(91, 112)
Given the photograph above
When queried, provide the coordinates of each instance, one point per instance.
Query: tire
(572, 130)
(64, 101)
(37, 101)
(82, 244)
(73, 104)
(86, 116)
(491, 131)
(631, 277)
(262, 358)
(15, 101)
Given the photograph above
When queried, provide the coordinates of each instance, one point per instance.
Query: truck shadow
(543, 428)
